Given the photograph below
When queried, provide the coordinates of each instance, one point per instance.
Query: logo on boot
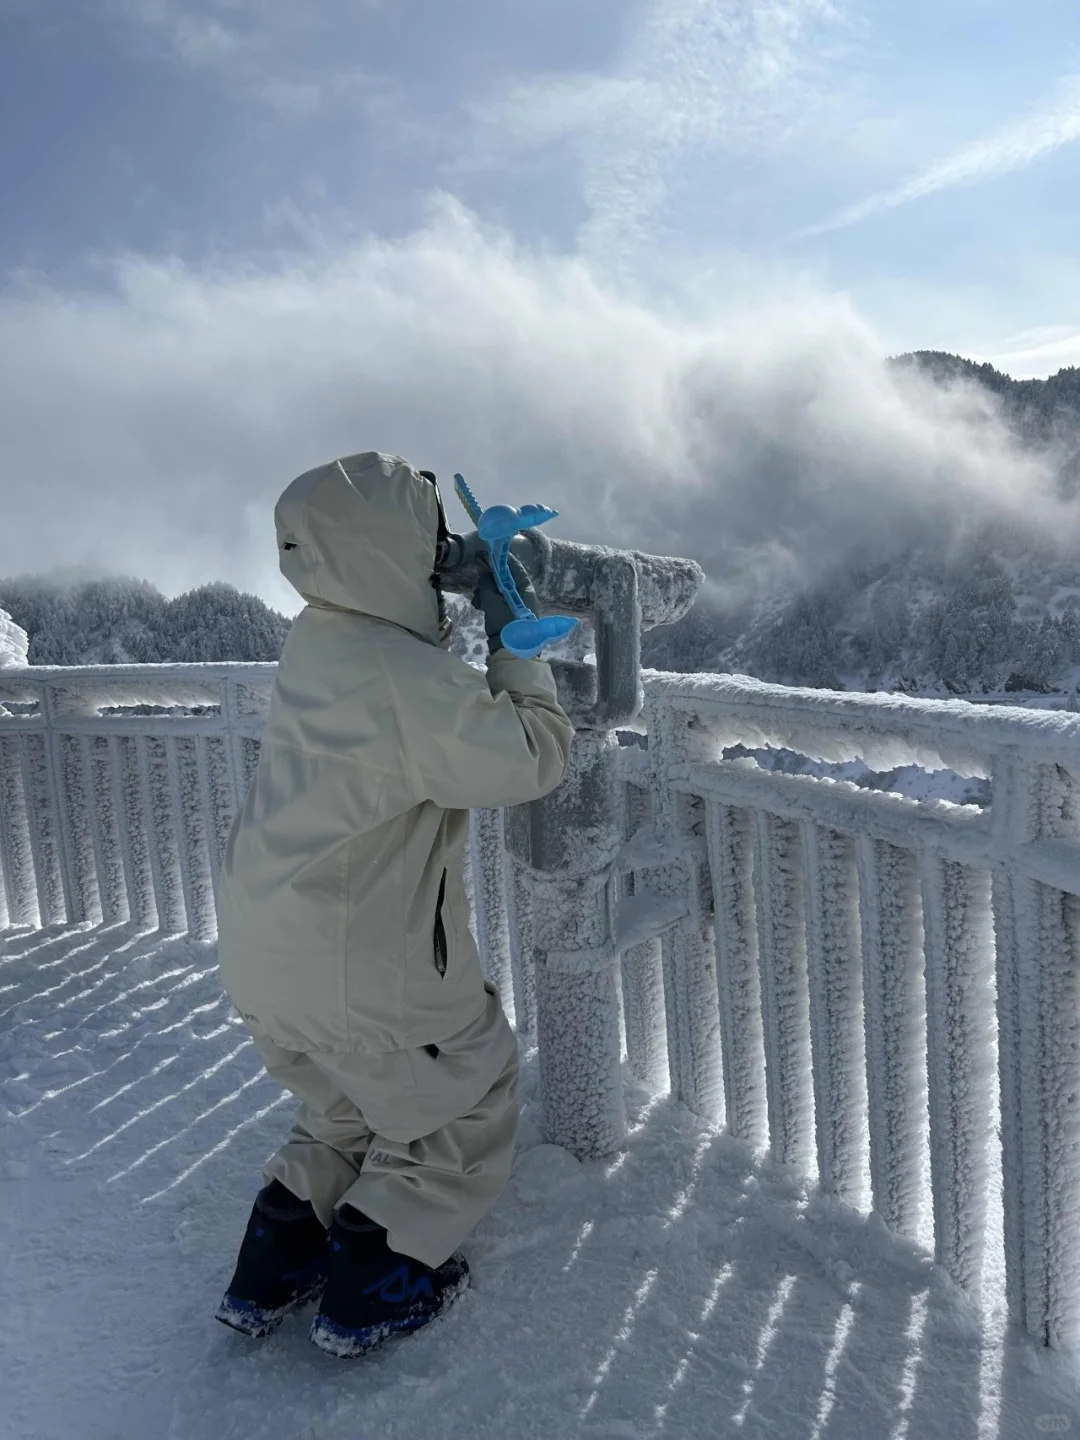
(397, 1289)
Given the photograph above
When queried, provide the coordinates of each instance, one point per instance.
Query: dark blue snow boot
(282, 1263)
(373, 1292)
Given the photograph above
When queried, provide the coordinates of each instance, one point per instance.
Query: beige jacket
(343, 917)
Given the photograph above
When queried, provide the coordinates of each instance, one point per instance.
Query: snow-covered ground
(677, 1290)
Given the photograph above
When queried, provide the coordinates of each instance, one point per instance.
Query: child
(343, 917)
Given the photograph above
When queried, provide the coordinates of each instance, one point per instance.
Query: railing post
(784, 996)
(208, 811)
(76, 805)
(98, 756)
(133, 823)
(222, 806)
(236, 761)
(959, 951)
(17, 878)
(43, 821)
(54, 869)
(836, 1012)
(68, 843)
(641, 965)
(163, 832)
(193, 836)
(643, 1013)
(691, 994)
(895, 1018)
(731, 850)
(1038, 987)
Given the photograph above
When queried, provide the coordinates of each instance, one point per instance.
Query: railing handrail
(164, 670)
(942, 734)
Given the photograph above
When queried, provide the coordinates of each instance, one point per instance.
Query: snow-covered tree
(14, 643)
(119, 620)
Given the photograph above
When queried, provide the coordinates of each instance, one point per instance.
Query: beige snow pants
(421, 1142)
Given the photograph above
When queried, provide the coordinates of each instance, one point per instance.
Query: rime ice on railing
(109, 813)
(821, 965)
(823, 968)
(920, 924)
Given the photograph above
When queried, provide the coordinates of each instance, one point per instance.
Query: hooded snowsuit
(343, 918)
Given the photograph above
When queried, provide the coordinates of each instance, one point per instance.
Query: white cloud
(151, 429)
(1013, 147)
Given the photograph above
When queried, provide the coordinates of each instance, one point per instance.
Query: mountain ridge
(995, 615)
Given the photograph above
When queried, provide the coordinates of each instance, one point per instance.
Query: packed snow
(681, 1288)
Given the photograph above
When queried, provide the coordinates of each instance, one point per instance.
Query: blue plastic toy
(525, 635)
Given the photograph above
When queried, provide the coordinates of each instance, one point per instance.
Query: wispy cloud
(694, 78)
(540, 112)
(1013, 147)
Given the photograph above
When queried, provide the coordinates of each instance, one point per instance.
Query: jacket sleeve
(472, 743)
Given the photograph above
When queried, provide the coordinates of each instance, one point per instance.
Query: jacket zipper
(440, 929)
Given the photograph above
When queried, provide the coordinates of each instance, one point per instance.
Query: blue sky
(889, 174)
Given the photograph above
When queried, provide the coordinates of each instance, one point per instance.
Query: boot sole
(346, 1344)
(255, 1321)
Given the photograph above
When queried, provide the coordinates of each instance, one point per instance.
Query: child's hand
(489, 598)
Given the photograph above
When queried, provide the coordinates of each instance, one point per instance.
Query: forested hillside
(998, 614)
(119, 620)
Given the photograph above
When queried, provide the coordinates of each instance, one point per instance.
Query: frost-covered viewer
(344, 921)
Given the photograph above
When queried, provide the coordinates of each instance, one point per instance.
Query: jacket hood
(360, 534)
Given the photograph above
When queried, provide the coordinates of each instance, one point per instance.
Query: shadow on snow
(679, 1289)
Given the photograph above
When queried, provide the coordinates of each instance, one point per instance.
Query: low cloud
(150, 427)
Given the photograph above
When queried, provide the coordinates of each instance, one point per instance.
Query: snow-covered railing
(113, 809)
(859, 981)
